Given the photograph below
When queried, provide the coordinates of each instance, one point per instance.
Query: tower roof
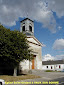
(26, 19)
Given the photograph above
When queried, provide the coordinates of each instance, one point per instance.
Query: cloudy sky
(48, 17)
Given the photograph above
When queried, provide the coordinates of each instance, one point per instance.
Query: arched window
(59, 66)
(51, 67)
(30, 28)
(23, 28)
(47, 66)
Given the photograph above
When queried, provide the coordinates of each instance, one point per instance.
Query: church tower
(27, 27)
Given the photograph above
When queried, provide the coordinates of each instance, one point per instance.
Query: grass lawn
(17, 78)
(51, 71)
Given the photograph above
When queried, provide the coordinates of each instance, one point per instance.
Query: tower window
(23, 28)
(30, 28)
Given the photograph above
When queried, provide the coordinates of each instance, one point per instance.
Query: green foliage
(13, 48)
(48, 71)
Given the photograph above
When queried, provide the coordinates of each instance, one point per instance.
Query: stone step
(37, 71)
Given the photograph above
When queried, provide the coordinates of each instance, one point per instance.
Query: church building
(27, 27)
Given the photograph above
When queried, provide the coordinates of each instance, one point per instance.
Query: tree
(13, 48)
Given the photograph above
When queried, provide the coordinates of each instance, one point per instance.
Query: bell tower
(27, 27)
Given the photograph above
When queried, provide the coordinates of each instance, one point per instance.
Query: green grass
(51, 71)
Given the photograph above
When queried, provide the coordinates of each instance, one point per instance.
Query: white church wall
(39, 65)
(38, 60)
(25, 64)
(32, 40)
(37, 49)
(38, 56)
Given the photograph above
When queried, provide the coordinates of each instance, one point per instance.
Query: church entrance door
(33, 62)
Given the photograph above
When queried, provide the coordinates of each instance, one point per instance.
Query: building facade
(27, 27)
(57, 65)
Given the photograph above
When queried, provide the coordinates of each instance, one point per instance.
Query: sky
(48, 17)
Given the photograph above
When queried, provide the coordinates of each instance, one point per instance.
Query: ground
(9, 78)
(45, 77)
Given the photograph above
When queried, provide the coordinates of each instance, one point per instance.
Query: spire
(27, 14)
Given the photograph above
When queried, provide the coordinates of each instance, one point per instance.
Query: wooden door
(33, 63)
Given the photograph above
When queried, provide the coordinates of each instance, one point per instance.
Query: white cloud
(48, 57)
(61, 51)
(39, 10)
(59, 27)
(58, 44)
(59, 57)
(56, 6)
